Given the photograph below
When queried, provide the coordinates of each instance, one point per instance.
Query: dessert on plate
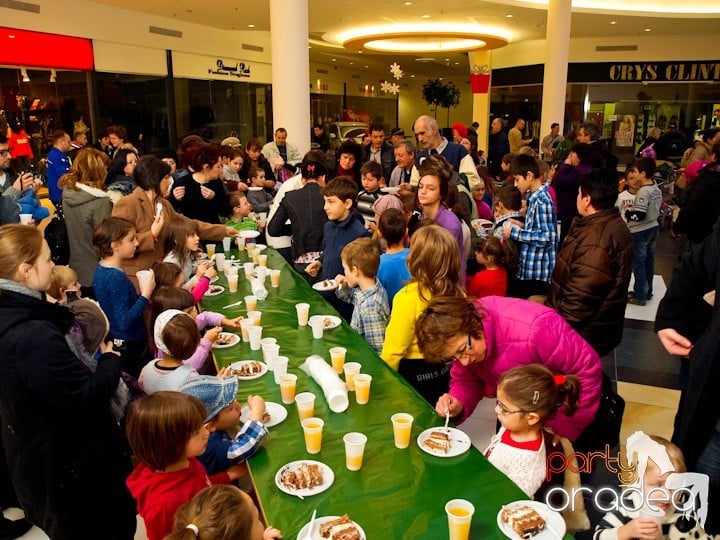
(341, 528)
(524, 520)
(247, 369)
(438, 441)
(224, 339)
(306, 476)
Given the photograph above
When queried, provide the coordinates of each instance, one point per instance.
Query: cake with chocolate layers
(306, 476)
(341, 528)
(247, 369)
(524, 520)
(438, 441)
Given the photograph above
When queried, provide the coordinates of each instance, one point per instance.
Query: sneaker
(636, 301)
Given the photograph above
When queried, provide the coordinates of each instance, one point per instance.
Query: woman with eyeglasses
(483, 339)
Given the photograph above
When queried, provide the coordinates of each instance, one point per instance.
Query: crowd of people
(509, 280)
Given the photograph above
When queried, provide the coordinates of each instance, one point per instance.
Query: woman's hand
(157, 225)
(674, 343)
(178, 193)
(446, 403)
(232, 233)
(313, 268)
(207, 193)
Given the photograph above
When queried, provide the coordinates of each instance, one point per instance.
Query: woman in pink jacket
(485, 338)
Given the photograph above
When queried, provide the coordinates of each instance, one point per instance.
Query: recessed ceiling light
(366, 67)
(407, 3)
(613, 22)
(425, 16)
(11, 36)
(509, 16)
(648, 30)
(251, 26)
(360, 52)
(351, 63)
(457, 63)
(412, 76)
(334, 59)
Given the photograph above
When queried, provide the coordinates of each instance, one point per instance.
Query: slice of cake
(250, 368)
(438, 441)
(341, 528)
(524, 520)
(306, 476)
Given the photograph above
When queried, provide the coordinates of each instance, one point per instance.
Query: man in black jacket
(380, 150)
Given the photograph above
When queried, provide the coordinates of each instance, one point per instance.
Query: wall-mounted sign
(238, 69)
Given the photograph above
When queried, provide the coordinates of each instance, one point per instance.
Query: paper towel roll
(332, 386)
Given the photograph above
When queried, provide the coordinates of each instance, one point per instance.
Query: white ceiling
(662, 17)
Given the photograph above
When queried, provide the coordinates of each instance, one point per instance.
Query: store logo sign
(240, 69)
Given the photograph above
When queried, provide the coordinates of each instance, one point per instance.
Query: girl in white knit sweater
(526, 397)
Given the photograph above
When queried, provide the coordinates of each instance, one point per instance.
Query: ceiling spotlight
(24, 73)
(53, 76)
(407, 3)
(648, 30)
(613, 22)
(334, 59)
(425, 16)
(509, 16)
(251, 26)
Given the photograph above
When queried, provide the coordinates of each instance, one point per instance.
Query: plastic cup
(260, 272)
(240, 243)
(220, 261)
(255, 335)
(210, 250)
(337, 358)
(318, 327)
(351, 369)
(288, 382)
(313, 428)
(256, 256)
(142, 274)
(227, 242)
(648, 513)
(270, 351)
(275, 278)
(245, 325)
(459, 513)
(362, 388)
(303, 312)
(279, 367)
(354, 450)
(25, 219)
(262, 260)
(268, 342)
(251, 303)
(227, 266)
(232, 283)
(248, 267)
(255, 317)
(402, 427)
(305, 402)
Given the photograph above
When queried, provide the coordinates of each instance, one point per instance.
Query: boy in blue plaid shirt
(538, 236)
(359, 286)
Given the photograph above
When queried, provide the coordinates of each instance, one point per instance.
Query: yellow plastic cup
(305, 402)
(354, 450)
(288, 382)
(362, 388)
(337, 357)
(313, 428)
(459, 513)
(402, 427)
(351, 369)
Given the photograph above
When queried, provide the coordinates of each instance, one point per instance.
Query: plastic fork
(309, 535)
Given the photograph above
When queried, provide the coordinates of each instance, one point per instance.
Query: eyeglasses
(460, 354)
(503, 410)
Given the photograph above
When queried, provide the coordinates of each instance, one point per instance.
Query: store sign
(665, 71)
(38, 49)
(239, 69)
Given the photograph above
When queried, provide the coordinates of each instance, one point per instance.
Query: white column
(291, 70)
(557, 46)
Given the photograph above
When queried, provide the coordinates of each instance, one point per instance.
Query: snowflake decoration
(392, 88)
(396, 71)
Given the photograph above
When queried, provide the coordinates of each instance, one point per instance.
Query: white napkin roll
(332, 386)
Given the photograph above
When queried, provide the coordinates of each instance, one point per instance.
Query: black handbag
(56, 236)
(605, 428)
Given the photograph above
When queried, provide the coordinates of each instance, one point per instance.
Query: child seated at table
(177, 337)
(360, 287)
(221, 512)
(171, 275)
(526, 397)
(166, 432)
(219, 395)
(240, 219)
(260, 199)
(182, 247)
(393, 272)
(371, 174)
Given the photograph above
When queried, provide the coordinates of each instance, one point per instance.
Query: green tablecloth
(397, 493)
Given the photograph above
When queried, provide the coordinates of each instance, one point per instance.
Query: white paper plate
(315, 534)
(214, 279)
(277, 412)
(249, 234)
(554, 522)
(325, 285)
(255, 188)
(459, 442)
(214, 290)
(237, 365)
(234, 340)
(260, 247)
(327, 472)
(391, 190)
(332, 321)
(201, 255)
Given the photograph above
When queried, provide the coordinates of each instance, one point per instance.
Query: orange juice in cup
(337, 357)
(362, 388)
(402, 427)
(305, 405)
(354, 450)
(351, 369)
(275, 278)
(288, 383)
(459, 513)
(312, 427)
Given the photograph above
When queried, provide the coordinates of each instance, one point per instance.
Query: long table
(398, 494)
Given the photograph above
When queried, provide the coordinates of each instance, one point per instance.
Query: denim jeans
(644, 263)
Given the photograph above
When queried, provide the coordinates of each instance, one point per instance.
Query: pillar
(481, 61)
(291, 70)
(557, 47)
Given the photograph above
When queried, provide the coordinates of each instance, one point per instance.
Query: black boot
(10, 530)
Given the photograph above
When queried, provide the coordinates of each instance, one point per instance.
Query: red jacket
(159, 495)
